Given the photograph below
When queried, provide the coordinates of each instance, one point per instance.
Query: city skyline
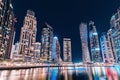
(62, 26)
(60, 40)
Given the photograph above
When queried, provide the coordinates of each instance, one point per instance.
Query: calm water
(69, 73)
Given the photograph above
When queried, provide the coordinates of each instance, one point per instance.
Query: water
(63, 73)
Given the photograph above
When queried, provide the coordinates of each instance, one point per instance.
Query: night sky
(65, 16)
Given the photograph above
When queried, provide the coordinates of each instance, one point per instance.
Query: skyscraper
(28, 35)
(109, 34)
(7, 23)
(110, 47)
(67, 52)
(84, 41)
(94, 43)
(56, 50)
(46, 43)
(115, 26)
(106, 48)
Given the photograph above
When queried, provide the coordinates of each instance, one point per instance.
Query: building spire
(30, 12)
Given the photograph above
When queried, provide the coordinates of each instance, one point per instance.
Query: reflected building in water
(64, 73)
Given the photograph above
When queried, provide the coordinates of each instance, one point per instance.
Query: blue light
(55, 37)
(54, 55)
(92, 49)
(95, 33)
(97, 49)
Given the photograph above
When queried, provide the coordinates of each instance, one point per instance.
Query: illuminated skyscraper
(46, 43)
(67, 52)
(109, 34)
(56, 50)
(28, 35)
(106, 48)
(115, 26)
(7, 22)
(94, 43)
(84, 41)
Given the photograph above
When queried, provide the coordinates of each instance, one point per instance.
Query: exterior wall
(56, 50)
(115, 26)
(106, 49)
(110, 39)
(12, 51)
(84, 41)
(6, 28)
(67, 50)
(54, 54)
(94, 43)
(46, 43)
(15, 56)
(37, 48)
(28, 35)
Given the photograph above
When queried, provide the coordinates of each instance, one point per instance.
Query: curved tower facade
(54, 54)
(84, 41)
(56, 50)
(94, 43)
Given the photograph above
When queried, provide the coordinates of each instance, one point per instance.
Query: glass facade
(46, 43)
(94, 43)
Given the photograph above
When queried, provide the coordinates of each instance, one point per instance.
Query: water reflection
(62, 73)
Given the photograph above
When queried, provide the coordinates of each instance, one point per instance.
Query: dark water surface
(64, 73)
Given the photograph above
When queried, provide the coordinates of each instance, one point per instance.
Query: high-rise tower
(46, 43)
(7, 22)
(106, 48)
(28, 34)
(84, 41)
(115, 32)
(67, 52)
(94, 43)
(110, 38)
(56, 50)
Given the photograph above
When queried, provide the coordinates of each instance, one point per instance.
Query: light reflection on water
(63, 73)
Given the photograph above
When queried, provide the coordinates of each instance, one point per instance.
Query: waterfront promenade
(11, 67)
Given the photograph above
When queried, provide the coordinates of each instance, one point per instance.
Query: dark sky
(65, 16)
